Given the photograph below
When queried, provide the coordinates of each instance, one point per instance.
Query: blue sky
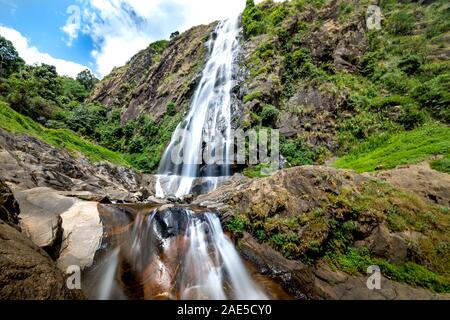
(100, 34)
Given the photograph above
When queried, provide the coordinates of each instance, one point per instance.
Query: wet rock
(295, 277)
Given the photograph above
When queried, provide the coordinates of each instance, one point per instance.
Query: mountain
(359, 91)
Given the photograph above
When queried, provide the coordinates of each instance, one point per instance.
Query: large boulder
(67, 228)
(26, 271)
(41, 217)
(431, 185)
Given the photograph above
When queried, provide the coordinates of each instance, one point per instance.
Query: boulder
(27, 272)
(41, 221)
(294, 276)
(382, 243)
(67, 228)
(83, 232)
(431, 185)
(28, 163)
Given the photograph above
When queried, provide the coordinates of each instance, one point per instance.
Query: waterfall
(207, 127)
(172, 253)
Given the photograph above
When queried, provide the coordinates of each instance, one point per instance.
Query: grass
(357, 261)
(408, 147)
(14, 122)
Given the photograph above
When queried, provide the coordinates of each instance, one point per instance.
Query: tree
(10, 61)
(174, 35)
(87, 79)
(50, 82)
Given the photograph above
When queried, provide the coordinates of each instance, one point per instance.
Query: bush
(410, 63)
(401, 23)
(256, 95)
(85, 118)
(435, 96)
(296, 152)
(253, 20)
(136, 145)
(269, 115)
(171, 109)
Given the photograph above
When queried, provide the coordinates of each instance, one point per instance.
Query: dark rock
(9, 208)
(28, 163)
(295, 277)
(27, 272)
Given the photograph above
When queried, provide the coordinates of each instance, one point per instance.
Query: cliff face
(157, 76)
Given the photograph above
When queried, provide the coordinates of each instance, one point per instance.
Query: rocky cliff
(163, 73)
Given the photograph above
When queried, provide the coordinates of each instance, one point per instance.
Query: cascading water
(207, 126)
(172, 253)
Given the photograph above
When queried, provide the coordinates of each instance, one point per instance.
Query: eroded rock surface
(28, 163)
(27, 272)
(305, 213)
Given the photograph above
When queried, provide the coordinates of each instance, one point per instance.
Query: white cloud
(32, 55)
(121, 28)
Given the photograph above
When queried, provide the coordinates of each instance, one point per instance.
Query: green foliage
(174, 35)
(84, 119)
(253, 20)
(401, 23)
(256, 95)
(442, 165)
(73, 91)
(161, 45)
(297, 152)
(410, 63)
(389, 151)
(87, 79)
(434, 95)
(237, 225)
(357, 261)
(269, 115)
(257, 171)
(10, 62)
(13, 121)
(171, 109)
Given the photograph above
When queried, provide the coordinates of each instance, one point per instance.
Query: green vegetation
(53, 108)
(13, 121)
(357, 261)
(386, 97)
(388, 151)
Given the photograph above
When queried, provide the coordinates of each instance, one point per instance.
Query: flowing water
(207, 127)
(171, 253)
(176, 252)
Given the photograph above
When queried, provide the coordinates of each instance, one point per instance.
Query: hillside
(364, 120)
(315, 72)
